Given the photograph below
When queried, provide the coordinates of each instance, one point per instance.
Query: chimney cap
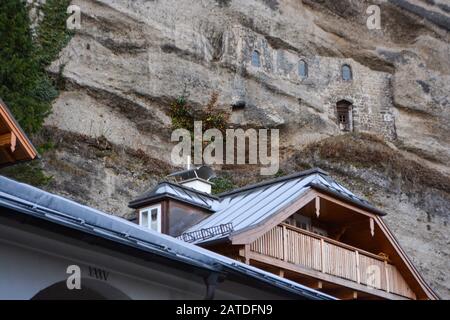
(203, 173)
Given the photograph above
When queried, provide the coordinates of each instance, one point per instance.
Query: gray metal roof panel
(176, 191)
(295, 175)
(254, 205)
(43, 205)
(251, 205)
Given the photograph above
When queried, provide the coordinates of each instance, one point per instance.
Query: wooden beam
(8, 140)
(247, 254)
(317, 207)
(285, 244)
(322, 254)
(318, 285)
(352, 295)
(20, 136)
(387, 275)
(244, 252)
(281, 273)
(372, 227)
(358, 271)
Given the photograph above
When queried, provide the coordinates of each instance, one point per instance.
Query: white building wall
(32, 259)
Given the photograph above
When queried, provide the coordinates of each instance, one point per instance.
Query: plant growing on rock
(222, 183)
(183, 115)
(25, 85)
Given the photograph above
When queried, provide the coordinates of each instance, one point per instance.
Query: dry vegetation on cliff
(368, 151)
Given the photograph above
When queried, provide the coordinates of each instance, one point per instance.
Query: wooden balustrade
(329, 256)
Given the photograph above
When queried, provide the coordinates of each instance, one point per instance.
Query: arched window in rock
(347, 73)
(256, 59)
(344, 115)
(303, 69)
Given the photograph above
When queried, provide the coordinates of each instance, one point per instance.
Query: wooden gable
(14, 144)
(358, 244)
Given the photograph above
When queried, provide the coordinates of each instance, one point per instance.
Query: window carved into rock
(256, 59)
(344, 115)
(347, 73)
(303, 69)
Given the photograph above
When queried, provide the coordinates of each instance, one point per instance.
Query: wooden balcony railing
(329, 256)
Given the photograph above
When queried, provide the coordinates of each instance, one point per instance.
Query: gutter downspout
(211, 282)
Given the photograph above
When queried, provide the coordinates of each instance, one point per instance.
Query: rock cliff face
(131, 59)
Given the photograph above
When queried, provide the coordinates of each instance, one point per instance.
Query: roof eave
(369, 208)
(76, 223)
(23, 138)
(139, 203)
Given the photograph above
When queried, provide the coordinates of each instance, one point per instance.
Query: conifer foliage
(24, 84)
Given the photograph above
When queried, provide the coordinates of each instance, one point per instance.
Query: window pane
(302, 69)
(144, 219)
(256, 59)
(154, 221)
(346, 73)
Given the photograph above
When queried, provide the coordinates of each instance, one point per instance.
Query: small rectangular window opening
(151, 218)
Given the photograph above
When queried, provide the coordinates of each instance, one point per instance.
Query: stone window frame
(344, 110)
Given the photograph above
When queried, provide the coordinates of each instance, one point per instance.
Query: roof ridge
(274, 180)
(188, 189)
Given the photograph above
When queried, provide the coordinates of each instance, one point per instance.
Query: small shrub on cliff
(213, 118)
(183, 115)
(222, 184)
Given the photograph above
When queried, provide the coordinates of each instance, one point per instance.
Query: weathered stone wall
(369, 91)
(132, 59)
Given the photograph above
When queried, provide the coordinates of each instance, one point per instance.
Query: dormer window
(256, 59)
(150, 217)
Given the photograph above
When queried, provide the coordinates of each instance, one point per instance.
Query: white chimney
(198, 184)
(196, 178)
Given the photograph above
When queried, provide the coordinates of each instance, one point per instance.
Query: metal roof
(177, 192)
(248, 206)
(25, 199)
(204, 172)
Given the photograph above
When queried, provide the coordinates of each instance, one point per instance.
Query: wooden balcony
(331, 261)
